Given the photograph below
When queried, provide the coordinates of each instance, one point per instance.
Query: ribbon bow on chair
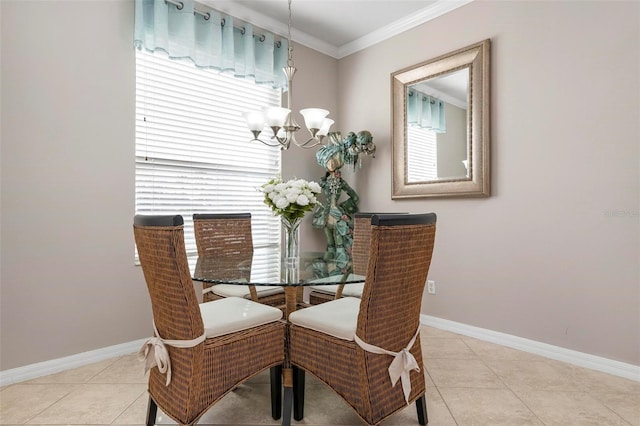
(154, 352)
(403, 363)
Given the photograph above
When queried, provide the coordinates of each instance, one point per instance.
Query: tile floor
(469, 382)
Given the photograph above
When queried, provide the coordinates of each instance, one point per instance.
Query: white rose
(267, 188)
(302, 200)
(272, 195)
(291, 194)
(315, 187)
(281, 202)
(280, 187)
(297, 183)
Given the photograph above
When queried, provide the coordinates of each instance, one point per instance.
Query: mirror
(440, 137)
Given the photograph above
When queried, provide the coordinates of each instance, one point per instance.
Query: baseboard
(616, 368)
(45, 368)
(581, 359)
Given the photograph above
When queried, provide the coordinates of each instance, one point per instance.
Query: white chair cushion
(233, 314)
(326, 289)
(338, 278)
(349, 290)
(232, 290)
(268, 290)
(338, 318)
(353, 290)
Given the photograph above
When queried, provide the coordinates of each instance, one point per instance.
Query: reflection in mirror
(437, 128)
(441, 126)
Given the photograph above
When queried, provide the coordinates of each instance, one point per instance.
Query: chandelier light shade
(326, 125)
(276, 117)
(280, 120)
(314, 118)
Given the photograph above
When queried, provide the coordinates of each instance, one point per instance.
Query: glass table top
(309, 269)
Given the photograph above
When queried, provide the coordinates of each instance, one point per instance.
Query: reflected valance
(425, 111)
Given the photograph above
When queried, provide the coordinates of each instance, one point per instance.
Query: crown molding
(394, 28)
(314, 43)
(265, 22)
(246, 14)
(260, 20)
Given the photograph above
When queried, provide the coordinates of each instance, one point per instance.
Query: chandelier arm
(310, 143)
(289, 137)
(281, 142)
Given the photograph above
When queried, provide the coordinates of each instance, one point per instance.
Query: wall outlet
(431, 287)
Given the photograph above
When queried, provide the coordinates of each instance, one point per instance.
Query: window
(193, 153)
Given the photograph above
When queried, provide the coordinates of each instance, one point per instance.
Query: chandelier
(281, 121)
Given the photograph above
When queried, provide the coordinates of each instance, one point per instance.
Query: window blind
(422, 155)
(193, 153)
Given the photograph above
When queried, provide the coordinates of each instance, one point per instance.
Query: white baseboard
(581, 359)
(44, 368)
(616, 368)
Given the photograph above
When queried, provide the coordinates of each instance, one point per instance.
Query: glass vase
(291, 229)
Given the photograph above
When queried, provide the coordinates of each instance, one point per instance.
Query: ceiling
(337, 27)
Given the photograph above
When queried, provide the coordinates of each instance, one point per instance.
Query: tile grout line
(444, 401)
(128, 406)
(53, 403)
(437, 388)
(546, 361)
(505, 384)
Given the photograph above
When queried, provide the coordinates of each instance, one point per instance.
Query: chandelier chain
(290, 53)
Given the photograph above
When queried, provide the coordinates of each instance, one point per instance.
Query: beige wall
(68, 280)
(68, 283)
(540, 259)
(553, 254)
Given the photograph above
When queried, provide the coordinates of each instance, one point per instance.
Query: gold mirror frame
(477, 183)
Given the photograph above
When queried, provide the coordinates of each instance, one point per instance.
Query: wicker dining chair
(359, 259)
(350, 344)
(199, 352)
(229, 234)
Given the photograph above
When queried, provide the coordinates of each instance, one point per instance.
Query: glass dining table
(293, 274)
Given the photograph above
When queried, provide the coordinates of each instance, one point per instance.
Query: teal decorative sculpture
(338, 202)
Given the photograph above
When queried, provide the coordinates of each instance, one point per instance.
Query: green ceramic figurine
(338, 203)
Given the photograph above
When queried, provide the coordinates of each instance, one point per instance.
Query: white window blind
(422, 155)
(193, 153)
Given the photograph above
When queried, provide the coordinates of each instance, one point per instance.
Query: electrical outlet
(431, 287)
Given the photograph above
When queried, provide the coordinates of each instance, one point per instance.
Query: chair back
(160, 242)
(400, 255)
(362, 241)
(223, 234)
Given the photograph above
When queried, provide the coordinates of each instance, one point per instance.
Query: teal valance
(210, 40)
(425, 111)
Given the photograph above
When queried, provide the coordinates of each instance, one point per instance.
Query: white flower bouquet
(291, 199)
